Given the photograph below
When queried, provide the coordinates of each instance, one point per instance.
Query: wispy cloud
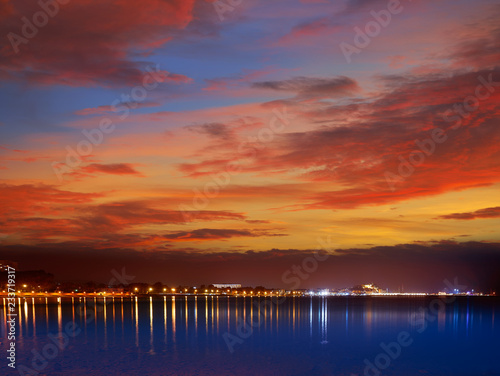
(312, 87)
(478, 214)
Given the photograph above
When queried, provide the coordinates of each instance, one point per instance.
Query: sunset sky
(188, 140)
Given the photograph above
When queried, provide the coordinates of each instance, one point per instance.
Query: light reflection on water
(300, 336)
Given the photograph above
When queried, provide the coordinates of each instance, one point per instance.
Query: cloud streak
(478, 214)
(312, 87)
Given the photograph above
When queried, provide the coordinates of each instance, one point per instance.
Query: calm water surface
(251, 336)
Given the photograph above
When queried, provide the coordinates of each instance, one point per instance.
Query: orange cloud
(357, 142)
(38, 200)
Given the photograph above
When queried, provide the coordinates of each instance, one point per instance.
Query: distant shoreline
(119, 295)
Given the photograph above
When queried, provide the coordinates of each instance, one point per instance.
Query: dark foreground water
(251, 336)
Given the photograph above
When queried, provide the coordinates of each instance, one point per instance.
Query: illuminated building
(227, 285)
